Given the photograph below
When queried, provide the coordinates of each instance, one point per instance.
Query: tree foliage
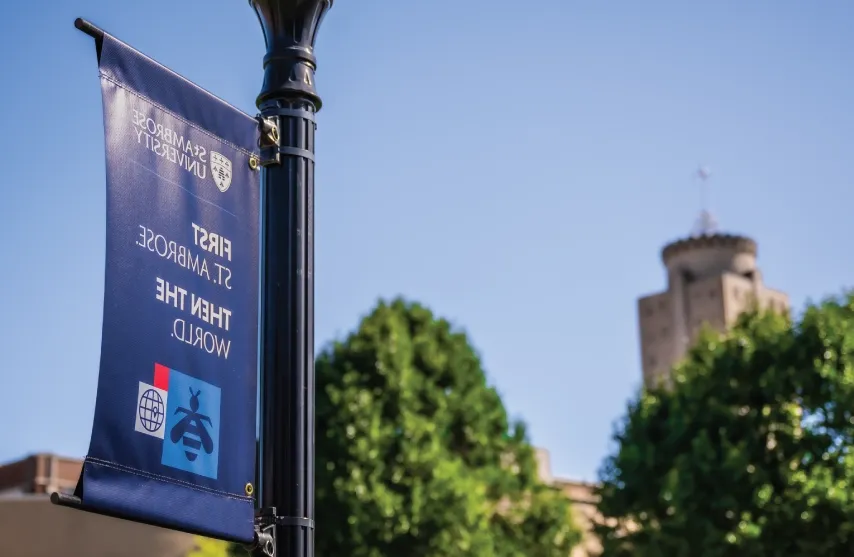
(749, 453)
(207, 547)
(416, 456)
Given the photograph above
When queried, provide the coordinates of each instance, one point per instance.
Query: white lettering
(209, 312)
(199, 338)
(179, 254)
(212, 242)
(169, 144)
(170, 294)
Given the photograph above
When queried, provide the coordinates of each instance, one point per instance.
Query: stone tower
(711, 278)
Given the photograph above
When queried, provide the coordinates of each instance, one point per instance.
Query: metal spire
(706, 225)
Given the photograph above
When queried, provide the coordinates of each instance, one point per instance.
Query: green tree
(416, 456)
(748, 453)
(207, 547)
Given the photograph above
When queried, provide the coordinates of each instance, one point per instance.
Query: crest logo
(221, 170)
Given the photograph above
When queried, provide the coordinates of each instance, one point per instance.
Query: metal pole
(288, 103)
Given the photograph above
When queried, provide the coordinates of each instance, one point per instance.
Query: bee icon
(191, 429)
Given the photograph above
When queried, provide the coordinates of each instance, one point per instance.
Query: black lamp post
(288, 103)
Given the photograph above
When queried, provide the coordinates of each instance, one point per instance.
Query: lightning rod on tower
(706, 224)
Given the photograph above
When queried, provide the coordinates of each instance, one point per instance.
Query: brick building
(30, 526)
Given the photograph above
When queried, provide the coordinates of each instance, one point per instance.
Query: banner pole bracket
(266, 520)
(268, 141)
(265, 533)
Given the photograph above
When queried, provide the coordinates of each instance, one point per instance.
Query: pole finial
(290, 32)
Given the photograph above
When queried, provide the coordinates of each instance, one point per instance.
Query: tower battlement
(702, 256)
(711, 279)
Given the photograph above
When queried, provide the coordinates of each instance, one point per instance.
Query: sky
(515, 166)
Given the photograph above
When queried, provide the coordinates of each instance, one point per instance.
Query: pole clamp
(265, 533)
(295, 521)
(266, 521)
(268, 140)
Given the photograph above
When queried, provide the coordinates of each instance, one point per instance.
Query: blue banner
(173, 439)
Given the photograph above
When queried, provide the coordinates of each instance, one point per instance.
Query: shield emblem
(221, 170)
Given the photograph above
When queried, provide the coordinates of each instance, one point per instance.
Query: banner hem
(163, 479)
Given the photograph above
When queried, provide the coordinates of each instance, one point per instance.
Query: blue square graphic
(191, 442)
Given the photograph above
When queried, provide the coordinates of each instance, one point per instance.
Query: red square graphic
(161, 377)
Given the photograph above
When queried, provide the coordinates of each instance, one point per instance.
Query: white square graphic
(151, 410)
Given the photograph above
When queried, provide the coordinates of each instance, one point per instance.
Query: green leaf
(749, 453)
(416, 455)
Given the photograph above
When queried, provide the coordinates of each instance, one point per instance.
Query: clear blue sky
(517, 166)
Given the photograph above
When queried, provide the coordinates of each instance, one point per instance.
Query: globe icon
(151, 410)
